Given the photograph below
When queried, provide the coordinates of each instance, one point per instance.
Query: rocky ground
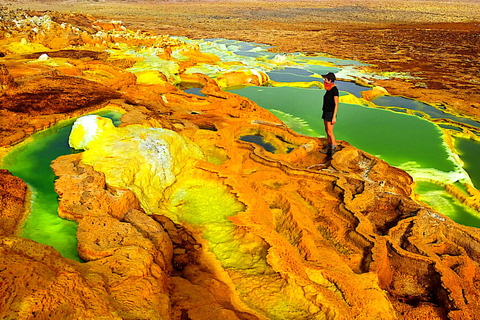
(435, 42)
(343, 240)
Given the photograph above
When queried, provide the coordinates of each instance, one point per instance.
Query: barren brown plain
(435, 42)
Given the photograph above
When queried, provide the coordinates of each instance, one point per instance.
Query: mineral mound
(180, 219)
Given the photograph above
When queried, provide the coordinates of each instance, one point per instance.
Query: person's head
(329, 76)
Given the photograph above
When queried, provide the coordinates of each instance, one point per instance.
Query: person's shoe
(333, 149)
(326, 149)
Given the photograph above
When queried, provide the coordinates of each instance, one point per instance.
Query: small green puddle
(31, 163)
(258, 139)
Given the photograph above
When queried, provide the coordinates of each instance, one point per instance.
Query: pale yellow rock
(350, 98)
(150, 77)
(88, 128)
(25, 47)
(144, 160)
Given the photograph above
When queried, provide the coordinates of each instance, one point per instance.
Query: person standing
(330, 108)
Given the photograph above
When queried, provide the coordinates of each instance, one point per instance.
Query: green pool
(469, 151)
(31, 162)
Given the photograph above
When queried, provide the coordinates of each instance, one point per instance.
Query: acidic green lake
(399, 139)
(31, 162)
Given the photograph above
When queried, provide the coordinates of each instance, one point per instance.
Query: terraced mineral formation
(180, 219)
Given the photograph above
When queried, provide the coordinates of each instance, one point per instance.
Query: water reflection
(469, 151)
(292, 75)
(432, 112)
(258, 139)
(195, 91)
(351, 87)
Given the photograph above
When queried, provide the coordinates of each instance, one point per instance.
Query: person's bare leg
(329, 131)
(331, 138)
(326, 148)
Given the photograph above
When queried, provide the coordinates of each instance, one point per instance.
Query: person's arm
(334, 119)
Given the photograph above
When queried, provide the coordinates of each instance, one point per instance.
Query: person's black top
(329, 101)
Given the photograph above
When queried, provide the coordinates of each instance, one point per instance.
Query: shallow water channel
(31, 162)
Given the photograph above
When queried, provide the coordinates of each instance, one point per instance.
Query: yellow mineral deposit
(24, 46)
(374, 93)
(142, 159)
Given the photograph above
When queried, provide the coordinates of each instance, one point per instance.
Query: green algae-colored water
(207, 205)
(396, 138)
(31, 162)
(405, 141)
(436, 197)
(469, 151)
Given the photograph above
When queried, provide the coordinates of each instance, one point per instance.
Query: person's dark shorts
(327, 116)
